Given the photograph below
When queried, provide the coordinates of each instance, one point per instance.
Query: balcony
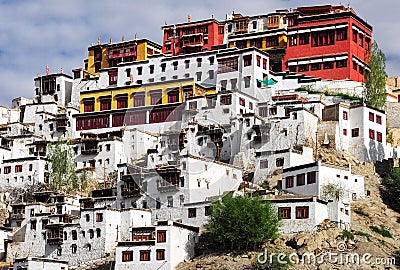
(131, 193)
(167, 188)
(18, 216)
(119, 55)
(54, 240)
(90, 151)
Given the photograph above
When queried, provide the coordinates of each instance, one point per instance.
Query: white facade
(32, 263)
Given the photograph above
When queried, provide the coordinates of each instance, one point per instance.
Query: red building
(192, 37)
(329, 42)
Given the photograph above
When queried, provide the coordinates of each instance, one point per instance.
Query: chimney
(189, 18)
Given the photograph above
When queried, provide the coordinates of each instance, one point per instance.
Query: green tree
(61, 164)
(392, 183)
(242, 222)
(375, 78)
(332, 192)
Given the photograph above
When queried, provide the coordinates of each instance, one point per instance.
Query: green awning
(271, 81)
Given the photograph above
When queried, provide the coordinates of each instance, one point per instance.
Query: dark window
(199, 60)
(316, 66)
(378, 119)
(18, 168)
(211, 74)
(163, 66)
(289, 182)
(91, 233)
(112, 77)
(258, 61)
(138, 100)
(303, 68)
(323, 38)
(198, 76)
(242, 102)
(7, 169)
(173, 96)
(33, 224)
(73, 248)
(300, 179)
(98, 233)
(151, 69)
(74, 235)
(211, 58)
(371, 134)
(127, 256)
(31, 166)
(344, 132)
(145, 255)
(280, 162)
(355, 132)
(175, 65)
(311, 177)
(304, 39)
(328, 65)
(341, 34)
(223, 85)
(284, 212)
(247, 60)
(88, 106)
(354, 35)
(341, 63)
(161, 236)
(122, 102)
(272, 41)
(263, 164)
(361, 40)
(87, 217)
(208, 210)
(228, 65)
(345, 116)
(247, 81)
(99, 217)
(139, 70)
(379, 136)
(160, 254)
(371, 117)
(301, 212)
(191, 212)
(105, 104)
(265, 63)
(226, 99)
(355, 66)
(155, 98)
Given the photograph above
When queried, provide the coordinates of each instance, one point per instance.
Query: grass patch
(309, 90)
(361, 212)
(383, 232)
(347, 234)
(367, 235)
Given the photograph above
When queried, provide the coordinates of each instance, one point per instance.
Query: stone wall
(392, 114)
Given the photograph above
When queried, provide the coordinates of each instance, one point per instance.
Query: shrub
(361, 212)
(381, 231)
(242, 222)
(367, 235)
(347, 234)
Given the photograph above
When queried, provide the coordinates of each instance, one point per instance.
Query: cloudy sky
(34, 34)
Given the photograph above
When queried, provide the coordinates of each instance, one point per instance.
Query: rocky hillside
(375, 230)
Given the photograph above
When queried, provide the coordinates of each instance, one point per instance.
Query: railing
(54, 241)
(89, 151)
(168, 188)
(119, 55)
(18, 216)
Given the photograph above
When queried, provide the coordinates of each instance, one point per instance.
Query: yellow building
(110, 55)
(133, 105)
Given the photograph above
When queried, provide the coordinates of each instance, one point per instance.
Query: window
(265, 63)
(7, 169)
(354, 36)
(341, 63)
(355, 66)
(301, 212)
(371, 117)
(87, 217)
(199, 60)
(112, 77)
(211, 59)
(191, 212)
(98, 233)
(316, 66)
(65, 236)
(247, 60)
(18, 168)
(160, 254)
(323, 38)
(304, 39)
(207, 210)
(378, 119)
(88, 105)
(73, 248)
(355, 132)
(139, 70)
(328, 65)
(284, 212)
(293, 40)
(44, 223)
(127, 256)
(361, 40)
(33, 224)
(289, 182)
(145, 255)
(155, 98)
(279, 162)
(233, 84)
(300, 179)
(272, 41)
(211, 74)
(163, 66)
(345, 115)
(91, 233)
(228, 65)
(161, 236)
(122, 102)
(105, 104)
(138, 100)
(31, 166)
(242, 102)
(341, 34)
(170, 201)
(371, 134)
(151, 69)
(198, 76)
(226, 99)
(247, 81)
(108, 147)
(379, 136)
(263, 164)
(99, 217)
(175, 65)
(59, 251)
(311, 177)
(303, 68)
(74, 235)
(344, 132)
(258, 61)
(173, 96)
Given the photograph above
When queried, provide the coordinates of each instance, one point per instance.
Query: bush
(242, 222)
(347, 234)
(392, 183)
(367, 235)
(381, 231)
(361, 212)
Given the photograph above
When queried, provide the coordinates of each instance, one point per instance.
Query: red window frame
(371, 134)
(161, 236)
(379, 136)
(88, 106)
(284, 212)
(345, 115)
(302, 212)
(160, 254)
(122, 102)
(242, 102)
(344, 132)
(173, 96)
(18, 168)
(144, 255)
(300, 179)
(156, 98)
(247, 59)
(113, 77)
(127, 256)
(371, 116)
(105, 104)
(378, 119)
(228, 65)
(289, 182)
(311, 177)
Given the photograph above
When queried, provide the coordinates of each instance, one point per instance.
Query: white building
(33, 263)
(162, 246)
